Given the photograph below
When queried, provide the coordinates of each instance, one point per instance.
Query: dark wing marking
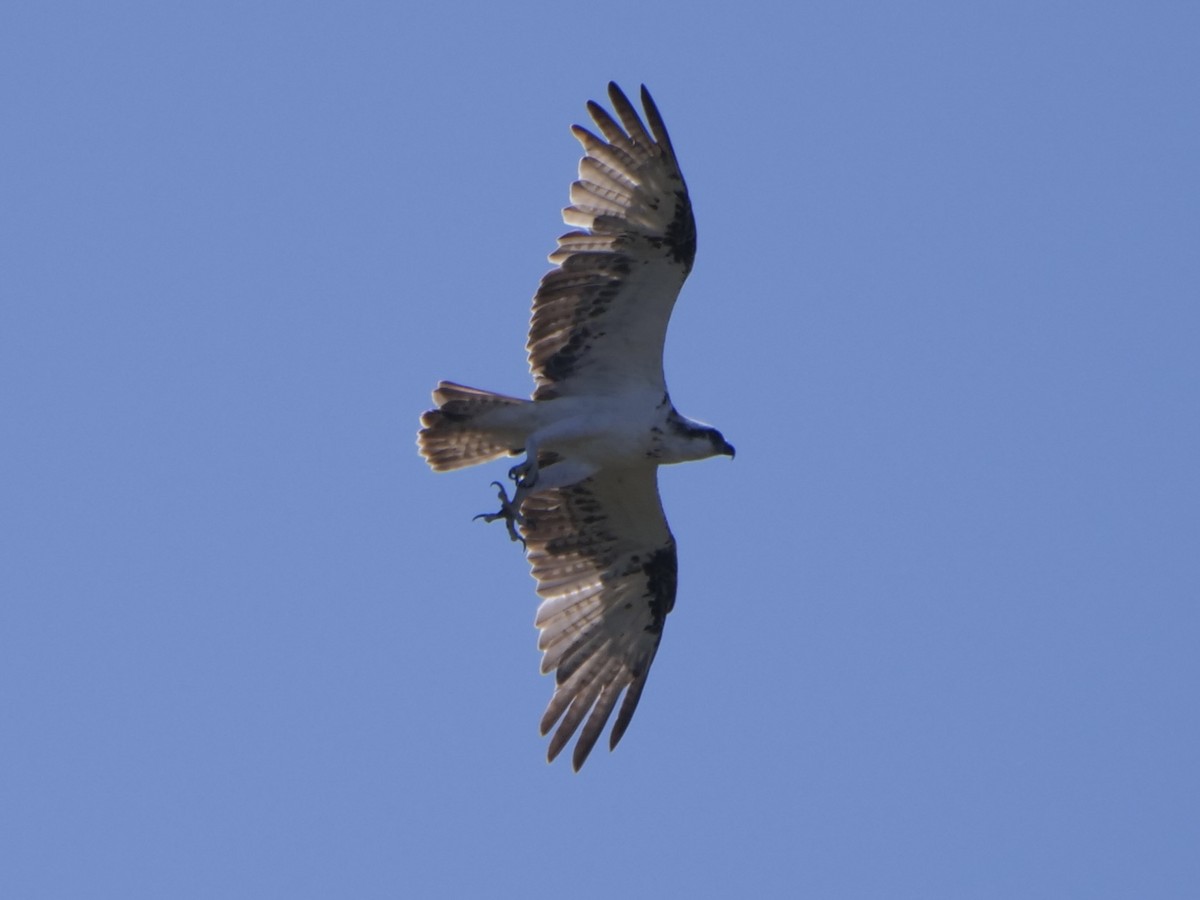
(605, 564)
(600, 318)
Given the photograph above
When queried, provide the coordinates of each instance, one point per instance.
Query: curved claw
(510, 512)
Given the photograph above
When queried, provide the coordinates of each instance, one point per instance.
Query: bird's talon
(510, 512)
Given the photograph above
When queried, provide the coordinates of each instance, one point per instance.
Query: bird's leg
(525, 474)
(510, 510)
(524, 477)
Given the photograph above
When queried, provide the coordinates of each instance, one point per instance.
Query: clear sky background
(937, 626)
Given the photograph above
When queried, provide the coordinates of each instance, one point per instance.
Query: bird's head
(687, 440)
(721, 447)
(710, 442)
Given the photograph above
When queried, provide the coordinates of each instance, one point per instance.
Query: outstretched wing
(600, 318)
(605, 564)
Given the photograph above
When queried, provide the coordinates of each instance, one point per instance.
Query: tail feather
(451, 436)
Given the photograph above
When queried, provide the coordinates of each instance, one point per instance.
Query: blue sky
(937, 624)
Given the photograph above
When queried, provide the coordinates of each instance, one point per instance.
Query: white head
(685, 440)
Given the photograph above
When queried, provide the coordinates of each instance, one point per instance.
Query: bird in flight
(600, 422)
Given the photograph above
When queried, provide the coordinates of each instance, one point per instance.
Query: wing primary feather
(608, 126)
(579, 655)
(592, 169)
(601, 711)
(629, 704)
(583, 242)
(657, 127)
(629, 117)
(554, 710)
(578, 709)
(591, 197)
(611, 194)
(612, 155)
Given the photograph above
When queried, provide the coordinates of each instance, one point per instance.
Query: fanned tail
(458, 433)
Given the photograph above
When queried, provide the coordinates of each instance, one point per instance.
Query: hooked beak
(728, 450)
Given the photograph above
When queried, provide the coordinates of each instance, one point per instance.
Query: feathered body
(599, 424)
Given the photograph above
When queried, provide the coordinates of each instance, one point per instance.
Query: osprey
(585, 500)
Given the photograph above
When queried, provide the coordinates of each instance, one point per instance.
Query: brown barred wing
(605, 562)
(600, 318)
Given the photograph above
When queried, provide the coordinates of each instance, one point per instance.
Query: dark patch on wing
(569, 310)
(662, 579)
(562, 363)
(681, 233)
